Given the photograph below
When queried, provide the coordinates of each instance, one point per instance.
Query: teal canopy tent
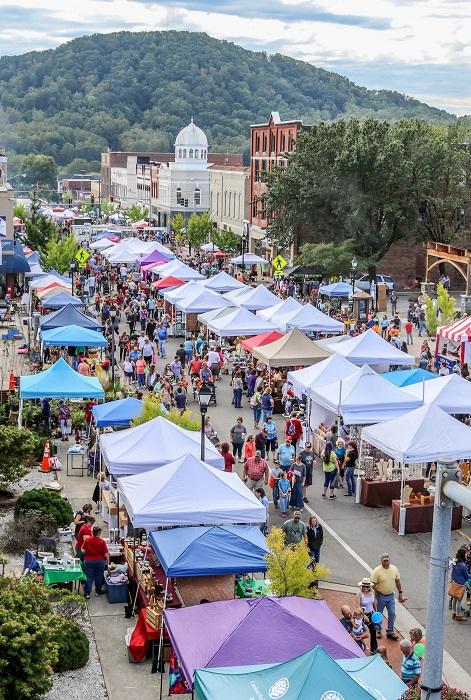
(73, 336)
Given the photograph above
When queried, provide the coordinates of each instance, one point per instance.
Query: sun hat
(365, 582)
(297, 514)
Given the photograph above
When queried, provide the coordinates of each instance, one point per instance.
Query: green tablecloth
(257, 588)
(52, 575)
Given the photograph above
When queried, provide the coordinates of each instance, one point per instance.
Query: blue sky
(419, 47)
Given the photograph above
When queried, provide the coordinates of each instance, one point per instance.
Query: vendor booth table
(419, 518)
(382, 493)
(54, 574)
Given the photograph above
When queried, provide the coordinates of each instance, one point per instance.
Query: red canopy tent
(457, 337)
(167, 282)
(263, 339)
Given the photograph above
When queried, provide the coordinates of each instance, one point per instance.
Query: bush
(47, 502)
(28, 650)
(23, 533)
(17, 448)
(73, 647)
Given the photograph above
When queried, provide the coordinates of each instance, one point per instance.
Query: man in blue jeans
(386, 579)
(96, 557)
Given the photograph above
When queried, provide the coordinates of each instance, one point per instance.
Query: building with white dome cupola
(183, 185)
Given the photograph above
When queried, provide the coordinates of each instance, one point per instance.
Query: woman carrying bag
(330, 468)
(457, 587)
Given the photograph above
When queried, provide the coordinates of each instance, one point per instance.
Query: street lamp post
(352, 276)
(204, 397)
(72, 270)
(245, 238)
(113, 349)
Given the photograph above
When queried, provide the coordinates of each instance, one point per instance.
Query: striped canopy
(456, 331)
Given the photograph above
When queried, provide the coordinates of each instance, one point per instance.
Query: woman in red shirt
(229, 460)
(96, 558)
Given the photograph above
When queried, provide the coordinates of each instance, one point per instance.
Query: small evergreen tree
(58, 252)
(177, 225)
(199, 227)
(38, 227)
(226, 241)
(440, 312)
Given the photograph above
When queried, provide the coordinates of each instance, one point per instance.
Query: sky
(418, 47)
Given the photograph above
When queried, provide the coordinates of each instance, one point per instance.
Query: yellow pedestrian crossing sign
(279, 263)
(82, 256)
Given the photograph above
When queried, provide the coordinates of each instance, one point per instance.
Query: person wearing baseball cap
(385, 579)
(307, 458)
(285, 454)
(294, 529)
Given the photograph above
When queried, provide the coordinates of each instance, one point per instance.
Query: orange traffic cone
(12, 382)
(45, 464)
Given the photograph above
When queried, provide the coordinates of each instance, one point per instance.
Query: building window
(238, 207)
(184, 152)
(217, 203)
(190, 153)
(179, 152)
(197, 196)
(264, 147)
(179, 195)
(254, 207)
(272, 142)
(257, 143)
(256, 171)
(197, 153)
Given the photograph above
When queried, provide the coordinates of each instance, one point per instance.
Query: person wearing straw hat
(367, 601)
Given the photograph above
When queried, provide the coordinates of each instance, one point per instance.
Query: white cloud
(404, 34)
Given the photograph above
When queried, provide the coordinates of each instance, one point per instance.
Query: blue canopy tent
(57, 301)
(73, 336)
(57, 274)
(406, 377)
(118, 413)
(67, 316)
(210, 551)
(336, 289)
(12, 259)
(312, 676)
(59, 382)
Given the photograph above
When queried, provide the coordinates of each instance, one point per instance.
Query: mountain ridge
(136, 90)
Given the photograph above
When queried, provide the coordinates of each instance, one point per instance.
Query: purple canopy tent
(254, 631)
(153, 258)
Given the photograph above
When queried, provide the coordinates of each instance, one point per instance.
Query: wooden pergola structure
(459, 258)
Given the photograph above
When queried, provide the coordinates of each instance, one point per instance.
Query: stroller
(197, 384)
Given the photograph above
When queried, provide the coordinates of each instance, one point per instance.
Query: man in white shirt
(141, 340)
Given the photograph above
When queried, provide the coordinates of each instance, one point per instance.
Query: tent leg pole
(20, 414)
(160, 662)
(139, 582)
(402, 509)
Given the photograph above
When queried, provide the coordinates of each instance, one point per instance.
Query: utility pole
(448, 492)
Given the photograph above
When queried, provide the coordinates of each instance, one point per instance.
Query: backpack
(255, 401)
(291, 430)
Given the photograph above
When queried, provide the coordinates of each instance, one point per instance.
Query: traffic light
(92, 199)
(111, 198)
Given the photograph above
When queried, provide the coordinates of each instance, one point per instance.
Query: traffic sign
(279, 263)
(82, 256)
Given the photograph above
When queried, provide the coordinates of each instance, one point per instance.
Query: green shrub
(24, 532)
(447, 693)
(73, 647)
(47, 502)
(17, 448)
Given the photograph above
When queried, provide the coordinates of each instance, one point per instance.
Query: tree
(177, 225)
(288, 567)
(17, 449)
(226, 241)
(363, 182)
(327, 259)
(199, 228)
(21, 212)
(136, 212)
(439, 312)
(38, 227)
(40, 170)
(58, 252)
(108, 208)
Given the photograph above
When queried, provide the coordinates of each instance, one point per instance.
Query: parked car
(363, 282)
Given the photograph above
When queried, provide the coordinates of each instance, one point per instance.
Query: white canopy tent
(209, 248)
(216, 313)
(204, 300)
(327, 342)
(369, 348)
(102, 244)
(151, 445)
(256, 298)
(188, 492)
(330, 370)
(309, 319)
(186, 291)
(180, 270)
(451, 393)
(234, 294)
(427, 434)
(240, 322)
(166, 269)
(222, 282)
(49, 279)
(249, 259)
(281, 310)
(362, 398)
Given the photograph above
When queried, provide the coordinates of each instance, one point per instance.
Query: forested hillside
(136, 90)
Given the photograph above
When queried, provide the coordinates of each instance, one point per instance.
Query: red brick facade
(269, 144)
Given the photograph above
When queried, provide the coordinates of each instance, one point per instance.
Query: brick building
(269, 144)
